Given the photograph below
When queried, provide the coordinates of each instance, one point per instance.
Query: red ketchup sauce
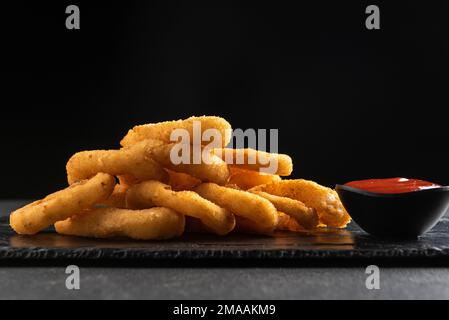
(392, 185)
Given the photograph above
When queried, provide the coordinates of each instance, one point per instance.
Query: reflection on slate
(349, 243)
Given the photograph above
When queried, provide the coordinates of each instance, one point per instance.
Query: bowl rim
(389, 195)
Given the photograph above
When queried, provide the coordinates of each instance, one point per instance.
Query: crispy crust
(150, 193)
(134, 161)
(307, 217)
(255, 160)
(324, 200)
(60, 205)
(244, 204)
(163, 130)
(147, 224)
(247, 179)
(246, 226)
(179, 181)
(288, 223)
(215, 171)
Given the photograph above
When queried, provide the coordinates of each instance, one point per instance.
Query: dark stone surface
(249, 279)
(223, 283)
(322, 245)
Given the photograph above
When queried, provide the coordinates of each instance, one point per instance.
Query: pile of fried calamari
(139, 192)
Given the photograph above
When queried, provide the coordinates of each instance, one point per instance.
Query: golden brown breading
(255, 160)
(307, 217)
(134, 161)
(241, 203)
(148, 224)
(324, 200)
(150, 193)
(60, 205)
(182, 181)
(215, 171)
(162, 130)
(247, 179)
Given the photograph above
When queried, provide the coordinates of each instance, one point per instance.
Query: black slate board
(351, 243)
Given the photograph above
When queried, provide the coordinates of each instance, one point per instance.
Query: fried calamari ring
(60, 205)
(245, 204)
(307, 217)
(134, 161)
(150, 193)
(247, 179)
(215, 171)
(182, 181)
(148, 224)
(255, 160)
(324, 200)
(162, 130)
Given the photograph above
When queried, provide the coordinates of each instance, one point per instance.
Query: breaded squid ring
(148, 224)
(162, 130)
(134, 161)
(247, 179)
(306, 217)
(241, 203)
(255, 160)
(60, 205)
(150, 193)
(324, 200)
(216, 170)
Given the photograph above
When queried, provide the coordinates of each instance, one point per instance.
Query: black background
(350, 103)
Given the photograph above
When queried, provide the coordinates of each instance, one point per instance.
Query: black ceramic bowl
(395, 216)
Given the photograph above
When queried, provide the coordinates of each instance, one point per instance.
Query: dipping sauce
(392, 185)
